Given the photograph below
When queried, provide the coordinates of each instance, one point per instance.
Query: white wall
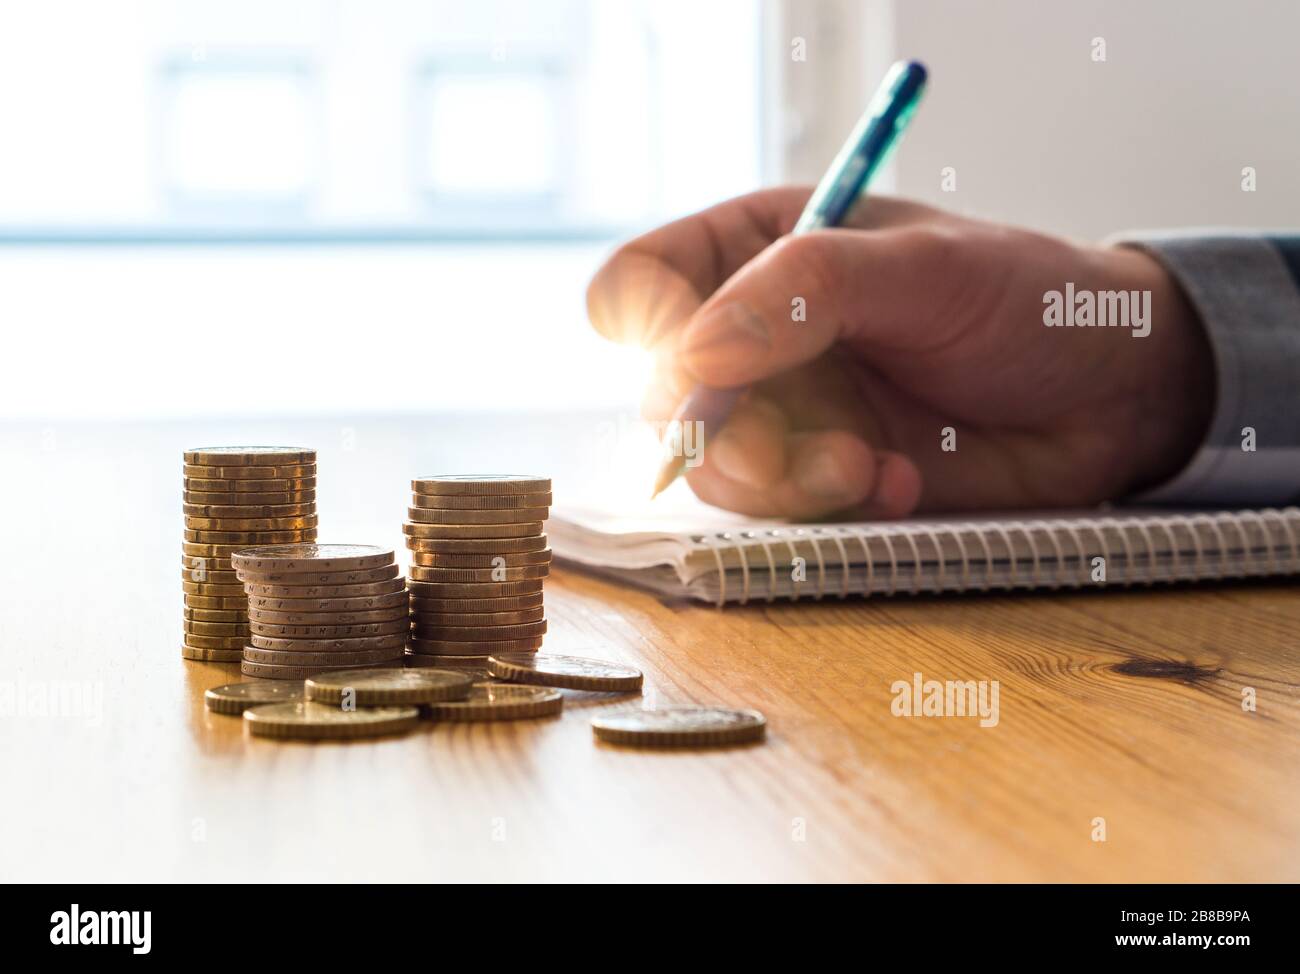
(1041, 135)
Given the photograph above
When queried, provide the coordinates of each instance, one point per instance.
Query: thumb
(804, 293)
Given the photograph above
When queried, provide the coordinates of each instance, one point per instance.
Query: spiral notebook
(723, 559)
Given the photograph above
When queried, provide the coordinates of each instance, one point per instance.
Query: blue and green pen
(865, 151)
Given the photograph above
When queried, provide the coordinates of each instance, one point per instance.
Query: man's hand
(916, 321)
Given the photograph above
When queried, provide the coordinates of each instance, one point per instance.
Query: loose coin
(474, 667)
(513, 559)
(271, 603)
(306, 719)
(478, 546)
(269, 672)
(348, 631)
(205, 655)
(472, 590)
(357, 644)
(272, 590)
(500, 701)
(237, 456)
(477, 618)
(313, 558)
(270, 497)
(571, 672)
(469, 634)
(479, 502)
(680, 727)
(479, 531)
(421, 604)
(276, 657)
(364, 576)
(518, 516)
(327, 618)
(290, 471)
(447, 647)
(370, 688)
(235, 698)
(420, 573)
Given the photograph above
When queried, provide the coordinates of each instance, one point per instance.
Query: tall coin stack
(478, 563)
(236, 497)
(313, 608)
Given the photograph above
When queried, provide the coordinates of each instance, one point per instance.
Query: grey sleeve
(1244, 286)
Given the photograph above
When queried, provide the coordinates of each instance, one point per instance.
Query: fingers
(888, 288)
(653, 284)
(825, 473)
(750, 448)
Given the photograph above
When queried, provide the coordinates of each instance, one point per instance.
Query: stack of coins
(237, 497)
(478, 562)
(316, 608)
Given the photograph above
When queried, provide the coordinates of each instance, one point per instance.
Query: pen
(864, 152)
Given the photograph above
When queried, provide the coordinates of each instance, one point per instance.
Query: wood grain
(1125, 706)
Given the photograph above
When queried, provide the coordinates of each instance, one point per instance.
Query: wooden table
(1121, 706)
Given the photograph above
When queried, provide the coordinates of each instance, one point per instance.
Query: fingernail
(724, 334)
(822, 477)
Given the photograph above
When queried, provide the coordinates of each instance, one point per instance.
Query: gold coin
(477, 618)
(469, 634)
(344, 645)
(199, 574)
(272, 590)
(314, 558)
(251, 523)
(218, 615)
(371, 688)
(500, 701)
(420, 573)
(479, 531)
(317, 720)
(253, 456)
(346, 631)
(215, 642)
(235, 698)
(474, 667)
(253, 539)
(195, 628)
(271, 497)
(364, 576)
(520, 515)
(189, 549)
(473, 590)
(421, 604)
(290, 471)
(203, 588)
(680, 727)
(248, 510)
(203, 655)
(511, 559)
(479, 502)
(206, 563)
(267, 671)
(481, 483)
(570, 672)
(492, 647)
(236, 488)
(271, 603)
(478, 546)
(275, 657)
(236, 602)
(326, 618)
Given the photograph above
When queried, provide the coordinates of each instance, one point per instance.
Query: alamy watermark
(946, 698)
(1098, 309)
